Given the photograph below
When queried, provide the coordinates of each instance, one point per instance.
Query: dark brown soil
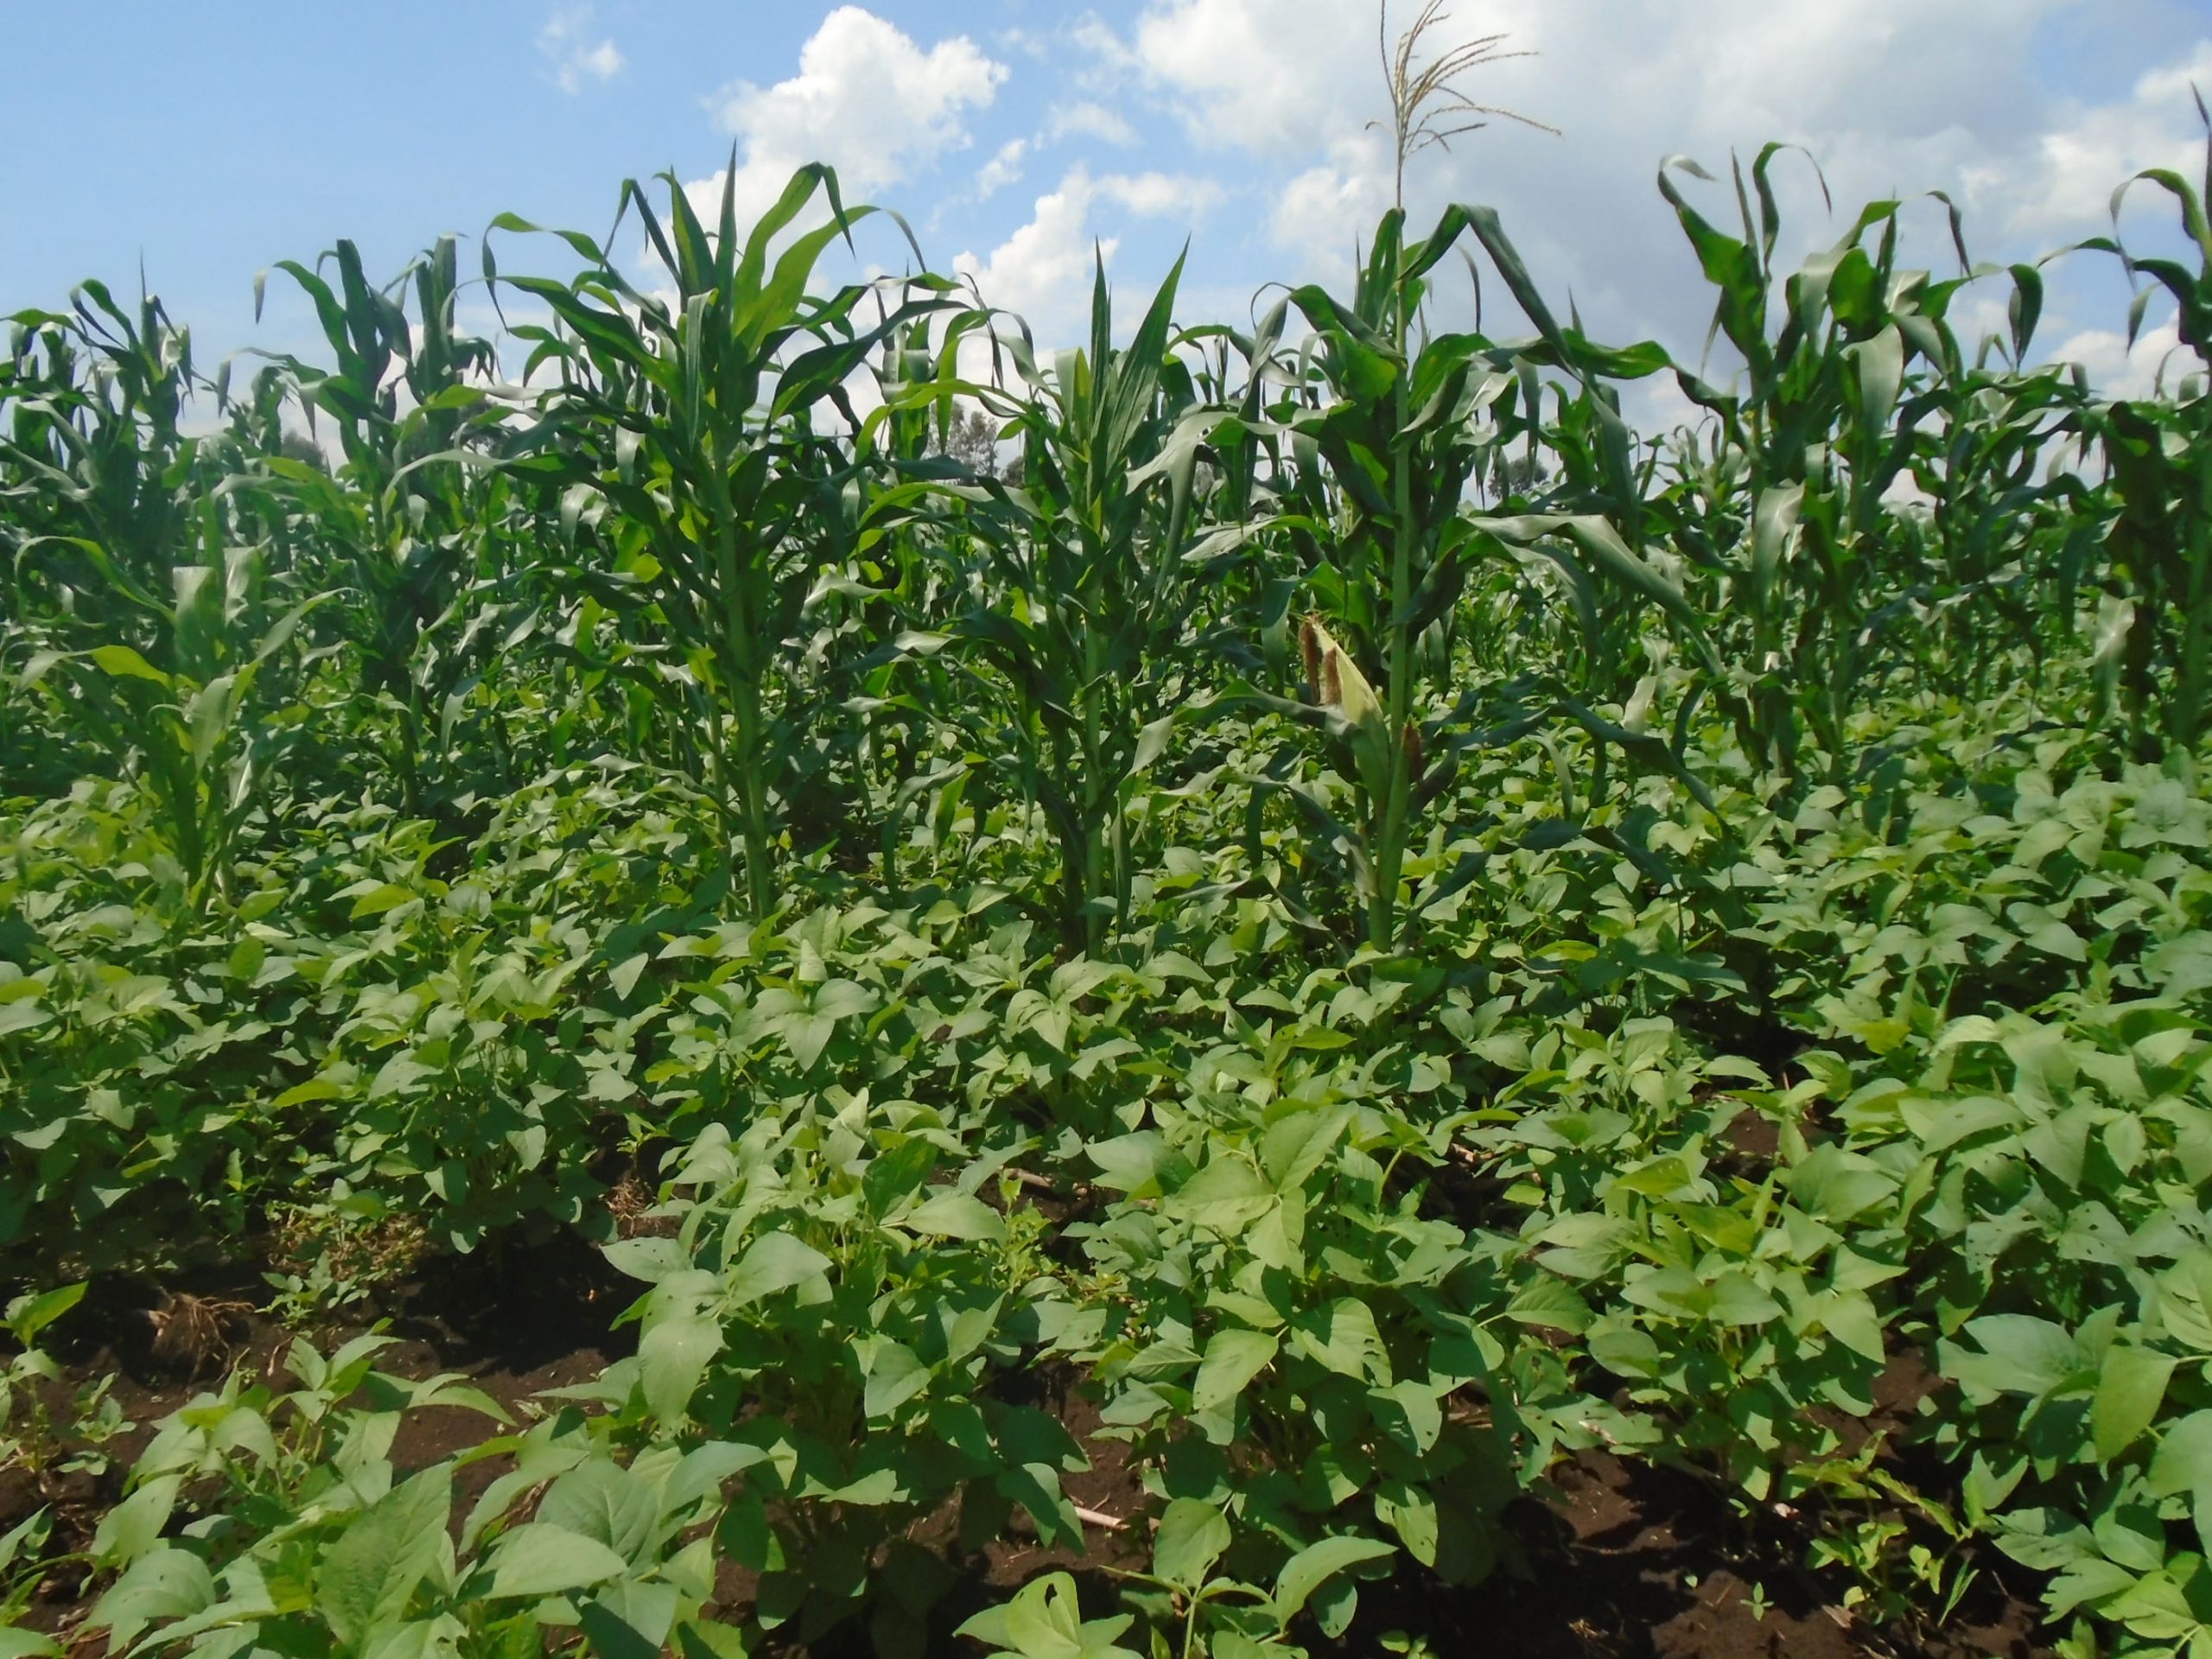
(511, 1333)
(1613, 1560)
(1753, 1138)
(1623, 1560)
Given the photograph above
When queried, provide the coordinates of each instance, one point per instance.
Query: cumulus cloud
(1352, 188)
(1092, 120)
(868, 99)
(1003, 169)
(1043, 271)
(1887, 96)
(576, 59)
(2151, 366)
(1161, 195)
(1255, 74)
(2078, 161)
(1102, 45)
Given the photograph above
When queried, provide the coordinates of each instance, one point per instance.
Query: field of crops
(760, 970)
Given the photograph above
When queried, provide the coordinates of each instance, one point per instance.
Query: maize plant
(1228, 947)
(1081, 596)
(149, 628)
(1821, 429)
(412, 515)
(2160, 452)
(196, 729)
(689, 414)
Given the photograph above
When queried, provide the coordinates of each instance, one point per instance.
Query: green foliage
(1305, 900)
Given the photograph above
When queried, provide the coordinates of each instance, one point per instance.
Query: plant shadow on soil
(510, 1328)
(1615, 1560)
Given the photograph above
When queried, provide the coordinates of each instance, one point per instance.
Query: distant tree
(973, 441)
(1514, 473)
(297, 445)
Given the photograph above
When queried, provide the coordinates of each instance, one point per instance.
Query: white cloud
(1003, 169)
(1161, 195)
(2077, 164)
(2155, 362)
(1043, 271)
(1889, 96)
(1092, 34)
(1324, 205)
(577, 60)
(602, 63)
(1027, 41)
(1259, 74)
(1093, 121)
(866, 99)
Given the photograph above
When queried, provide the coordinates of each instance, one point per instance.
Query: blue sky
(212, 140)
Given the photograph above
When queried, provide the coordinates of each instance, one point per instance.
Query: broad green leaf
(895, 1375)
(1192, 1535)
(365, 1582)
(121, 662)
(163, 1584)
(1228, 1194)
(130, 1528)
(1043, 1621)
(2183, 1462)
(1739, 1298)
(623, 977)
(2130, 1389)
(29, 1314)
(536, 1559)
(807, 1035)
(601, 1500)
(1410, 1412)
(1036, 1487)
(1343, 1335)
(647, 1257)
(1657, 1178)
(956, 1215)
(1130, 1163)
(379, 900)
(23, 1016)
(2021, 1354)
(672, 1357)
(630, 1620)
(1837, 1185)
(1232, 1359)
(1313, 1565)
(771, 1263)
(1410, 1512)
(305, 1094)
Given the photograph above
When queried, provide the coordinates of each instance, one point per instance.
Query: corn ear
(1335, 680)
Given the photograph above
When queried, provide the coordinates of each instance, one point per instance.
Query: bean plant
(1166, 970)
